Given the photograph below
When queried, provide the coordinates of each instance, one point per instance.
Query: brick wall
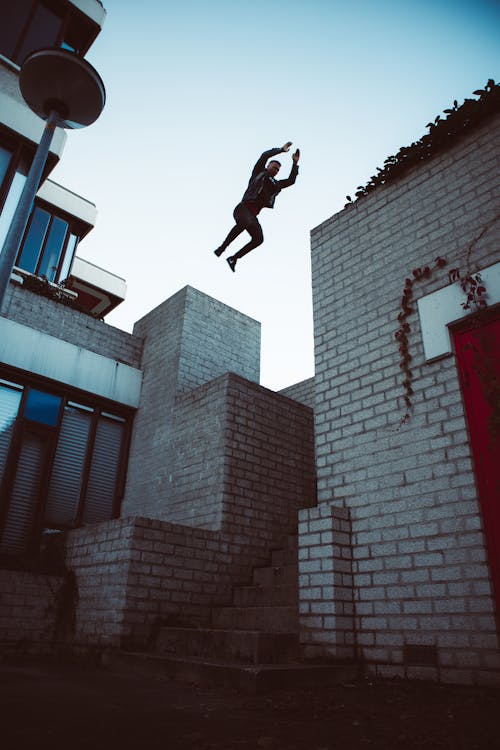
(421, 576)
(135, 574)
(100, 557)
(191, 476)
(43, 314)
(216, 339)
(210, 448)
(302, 392)
(28, 608)
(235, 457)
(326, 583)
(175, 469)
(269, 471)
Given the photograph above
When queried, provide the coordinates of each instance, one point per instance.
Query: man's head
(273, 167)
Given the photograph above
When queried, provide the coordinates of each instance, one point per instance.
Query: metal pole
(18, 224)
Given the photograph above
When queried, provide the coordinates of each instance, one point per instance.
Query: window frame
(16, 149)
(51, 433)
(69, 17)
(74, 228)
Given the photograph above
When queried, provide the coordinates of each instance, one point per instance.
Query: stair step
(289, 541)
(245, 646)
(275, 575)
(283, 557)
(268, 619)
(261, 596)
(260, 678)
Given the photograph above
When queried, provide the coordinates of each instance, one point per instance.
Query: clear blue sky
(196, 90)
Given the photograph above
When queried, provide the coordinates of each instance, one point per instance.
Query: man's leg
(257, 239)
(255, 231)
(235, 231)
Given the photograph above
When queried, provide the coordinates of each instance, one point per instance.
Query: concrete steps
(268, 619)
(275, 575)
(253, 679)
(240, 646)
(252, 645)
(281, 595)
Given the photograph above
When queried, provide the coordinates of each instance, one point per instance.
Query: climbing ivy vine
(475, 300)
(403, 332)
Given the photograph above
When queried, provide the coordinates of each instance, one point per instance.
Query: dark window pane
(42, 407)
(43, 31)
(5, 157)
(25, 492)
(68, 257)
(103, 474)
(14, 14)
(53, 249)
(67, 472)
(9, 207)
(34, 240)
(10, 398)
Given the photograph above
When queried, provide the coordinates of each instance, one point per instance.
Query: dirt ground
(75, 707)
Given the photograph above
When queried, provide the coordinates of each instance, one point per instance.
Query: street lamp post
(65, 91)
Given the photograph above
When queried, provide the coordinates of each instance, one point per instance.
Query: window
(10, 205)
(5, 157)
(48, 246)
(68, 471)
(10, 398)
(28, 25)
(104, 468)
(62, 464)
(68, 257)
(42, 407)
(14, 20)
(42, 30)
(13, 168)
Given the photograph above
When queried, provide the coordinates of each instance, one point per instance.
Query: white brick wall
(419, 559)
(326, 583)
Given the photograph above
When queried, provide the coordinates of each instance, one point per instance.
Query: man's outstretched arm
(261, 163)
(293, 172)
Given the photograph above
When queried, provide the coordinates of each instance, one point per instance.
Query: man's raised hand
(296, 156)
(287, 145)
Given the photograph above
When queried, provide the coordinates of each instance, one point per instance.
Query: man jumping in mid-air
(261, 193)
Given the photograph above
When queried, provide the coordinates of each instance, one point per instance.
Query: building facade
(143, 475)
(407, 450)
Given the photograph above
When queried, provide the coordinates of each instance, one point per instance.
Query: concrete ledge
(36, 352)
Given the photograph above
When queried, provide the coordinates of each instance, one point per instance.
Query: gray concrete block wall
(269, 471)
(202, 336)
(28, 609)
(216, 339)
(51, 317)
(186, 484)
(175, 470)
(326, 590)
(136, 574)
(178, 573)
(419, 557)
(99, 555)
(149, 463)
(133, 575)
(302, 392)
(236, 457)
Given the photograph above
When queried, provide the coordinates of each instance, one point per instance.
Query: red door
(477, 346)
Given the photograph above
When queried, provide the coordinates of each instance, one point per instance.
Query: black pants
(245, 219)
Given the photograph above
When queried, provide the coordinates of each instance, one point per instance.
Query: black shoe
(219, 251)
(231, 263)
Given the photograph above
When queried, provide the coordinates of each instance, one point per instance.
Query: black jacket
(262, 188)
